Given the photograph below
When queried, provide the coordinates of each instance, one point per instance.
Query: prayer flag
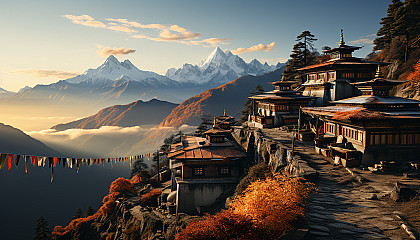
(10, 160)
(2, 159)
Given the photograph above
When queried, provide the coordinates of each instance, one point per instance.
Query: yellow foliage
(274, 203)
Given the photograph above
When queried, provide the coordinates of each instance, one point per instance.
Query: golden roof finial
(224, 112)
(342, 38)
(214, 122)
(378, 73)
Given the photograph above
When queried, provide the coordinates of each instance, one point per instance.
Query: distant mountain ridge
(115, 82)
(230, 96)
(113, 70)
(219, 68)
(5, 93)
(132, 114)
(15, 141)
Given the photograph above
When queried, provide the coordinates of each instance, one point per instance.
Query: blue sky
(45, 41)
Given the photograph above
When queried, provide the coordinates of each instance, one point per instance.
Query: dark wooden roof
(193, 150)
(378, 82)
(342, 48)
(340, 62)
(218, 131)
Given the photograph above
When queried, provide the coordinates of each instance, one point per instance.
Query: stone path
(343, 208)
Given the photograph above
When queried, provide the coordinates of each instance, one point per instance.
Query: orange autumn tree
(415, 75)
(273, 204)
(265, 210)
(220, 226)
(118, 186)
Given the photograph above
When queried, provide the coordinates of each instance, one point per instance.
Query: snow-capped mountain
(219, 68)
(114, 70)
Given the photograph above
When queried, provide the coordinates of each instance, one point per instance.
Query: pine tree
(42, 231)
(77, 214)
(303, 54)
(413, 17)
(400, 28)
(307, 39)
(385, 32)
(138, 166)
(204, 126)
(89, 211)
(248, 106)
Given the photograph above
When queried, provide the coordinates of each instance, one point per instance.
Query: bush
(117, 186)
(266, 210)
(222, 225)
(151, 197)
(273, 204)
(256, 172)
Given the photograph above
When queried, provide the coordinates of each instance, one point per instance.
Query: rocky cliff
(276, 153)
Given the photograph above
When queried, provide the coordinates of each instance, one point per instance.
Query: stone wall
(196, 197)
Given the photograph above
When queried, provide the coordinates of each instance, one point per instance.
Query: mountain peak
(112, 58)
(217, 56)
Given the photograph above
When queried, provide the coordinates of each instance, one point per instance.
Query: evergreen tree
(42, 231)
(413, 17)
(385, 32)
(77, 214)
(303, 54)
(400, 28)
(138, 166)
(248, 106)
(307, 39)
(204, 126)
(89, 211)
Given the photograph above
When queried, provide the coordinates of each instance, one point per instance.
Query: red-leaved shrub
(222, 225)
(267, 209)
(108, 201)
(151, 197)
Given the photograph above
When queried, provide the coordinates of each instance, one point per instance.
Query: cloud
(45, 73)
(89, 21)
(127, 23)
(210, 42)
(259, 47)
(362, 40)
(163, 33)
(85, 20)
(107, 141)
(106, 51)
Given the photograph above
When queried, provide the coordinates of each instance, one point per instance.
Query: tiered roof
(283, 91)
(375, 101)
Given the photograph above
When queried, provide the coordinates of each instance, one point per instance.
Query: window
(311, 76)
(321, 76)
(224, 170)
(347, 75)
(345, 55)
(331, 75)
(198, 171)
(330, 128)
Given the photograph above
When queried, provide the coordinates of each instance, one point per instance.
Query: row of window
(199, 171)
(345, 131)
(367, 75)
(276, 108)
(352, 133)
(384, 138)
(283, 88)
(321, 76)
(394, 138)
